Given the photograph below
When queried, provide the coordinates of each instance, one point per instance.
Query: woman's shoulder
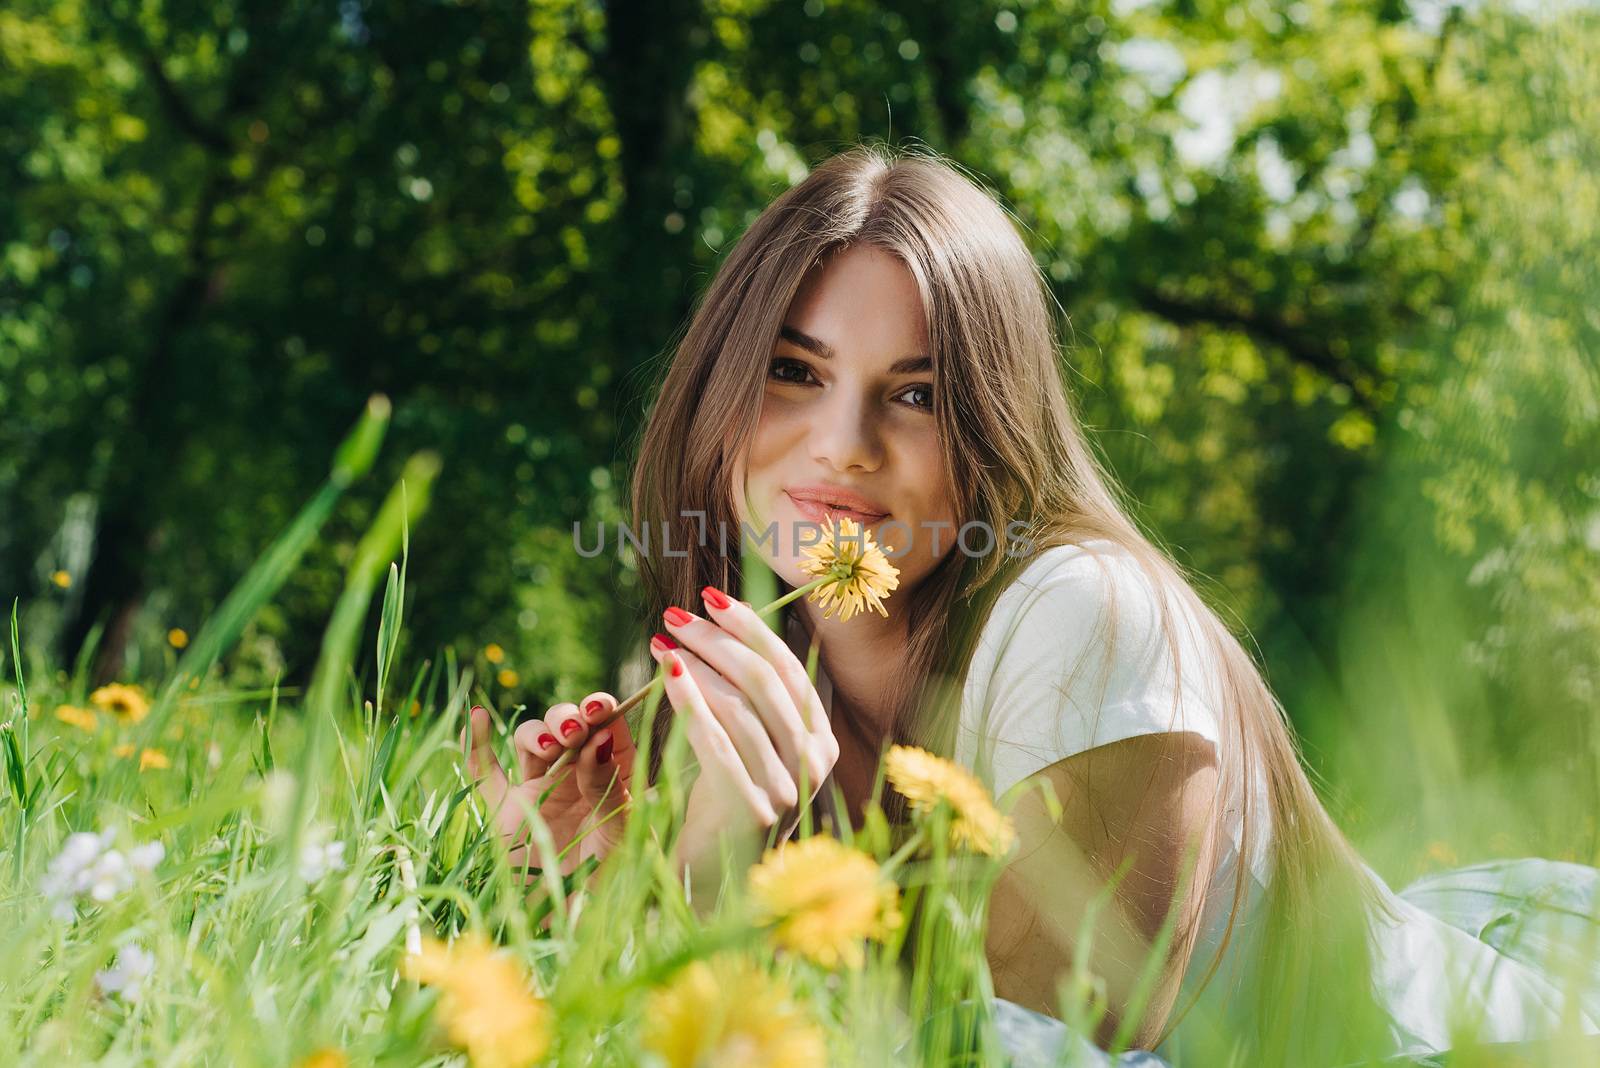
(1074, 655)
(1061, 588)
(1066, 555)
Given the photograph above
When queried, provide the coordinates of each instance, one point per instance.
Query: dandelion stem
(795, 594)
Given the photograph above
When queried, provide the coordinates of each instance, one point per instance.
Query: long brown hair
(1014, 451)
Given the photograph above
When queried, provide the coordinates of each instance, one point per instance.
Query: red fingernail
(676, 666)
(476, 708)
(677, 616)
(594, 708)
(546, 741)
(663, 641)
(602, 752)
(569, 727)
(715, 597)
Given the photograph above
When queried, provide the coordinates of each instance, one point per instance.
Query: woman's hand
(588, 793)
(753, 718)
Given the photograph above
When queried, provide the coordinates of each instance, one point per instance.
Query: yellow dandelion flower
(493, 653)
(148, 758)
(82, 718)
(177, 637)
(61, 578)
(324, 1058)
(862, 575)
(728, 1013)
(824, 898)
(484, 1001)
(926, 780)
(508, 678)
(126, 703)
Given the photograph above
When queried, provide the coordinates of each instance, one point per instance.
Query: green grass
(253, 963)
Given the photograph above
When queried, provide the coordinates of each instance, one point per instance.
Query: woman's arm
(1146, 800)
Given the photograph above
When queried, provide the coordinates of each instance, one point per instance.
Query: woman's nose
(844, 434)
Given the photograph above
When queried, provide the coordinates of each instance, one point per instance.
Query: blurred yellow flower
(484, 1001)
(1441, 853)
(148, 758)
(824, 899)
(177, 637)
(81, 718)
(926, 780)
(127, 703)
(508, 678)
(728, 1013)
(862, 575)
(324, 1058)
(493, 653)
(61, 578)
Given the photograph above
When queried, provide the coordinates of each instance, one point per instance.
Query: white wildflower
(88, 866)
(125, 979)
(110, 875)
(145, 857)
(318, 856)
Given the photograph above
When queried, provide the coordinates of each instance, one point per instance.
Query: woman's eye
(924, 389)
(783, 369)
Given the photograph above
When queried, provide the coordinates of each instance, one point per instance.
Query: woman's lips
(818, 512)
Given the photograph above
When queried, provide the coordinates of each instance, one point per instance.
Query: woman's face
(847, 419)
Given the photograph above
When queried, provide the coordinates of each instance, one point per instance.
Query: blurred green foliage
(1328, 267)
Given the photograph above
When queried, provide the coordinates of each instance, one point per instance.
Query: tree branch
(1298, 345)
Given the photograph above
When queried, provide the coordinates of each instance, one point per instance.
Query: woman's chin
(789, 572)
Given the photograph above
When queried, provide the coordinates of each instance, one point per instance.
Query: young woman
(880, 345)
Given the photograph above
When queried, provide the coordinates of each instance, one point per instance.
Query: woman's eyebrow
(821, 349)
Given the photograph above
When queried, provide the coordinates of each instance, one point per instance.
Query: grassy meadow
(312, 844)
(198, 873)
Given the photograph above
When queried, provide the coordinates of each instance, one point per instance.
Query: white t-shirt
(1048, 681)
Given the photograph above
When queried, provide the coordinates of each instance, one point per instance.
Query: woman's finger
(482, 764)
(746, 730)
(536, 747)
(596, 706)
(567, 724)
(751, 673)
(604, 768)
(740, 620)
(707, 737)
(796, 720)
